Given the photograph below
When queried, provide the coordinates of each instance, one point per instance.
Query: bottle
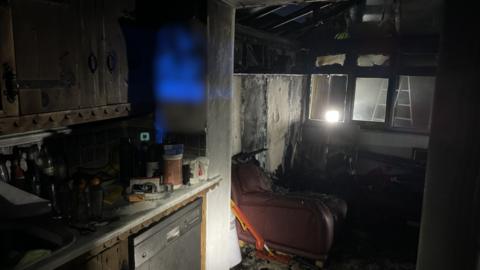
(152, 161)
(127, 160)
(46, 164)
(17, 169)
(80, 202)
(33, 172)
(49, 189)
(4, 173)
(96, 199)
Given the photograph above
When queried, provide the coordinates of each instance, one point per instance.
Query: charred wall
(268, 114)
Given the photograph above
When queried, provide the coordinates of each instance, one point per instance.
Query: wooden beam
(323, 16)
(248, 31)
(264, 3)
(259, 14)
(305, 11)
(45, 121)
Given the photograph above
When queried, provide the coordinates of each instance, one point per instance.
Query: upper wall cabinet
(62, 55)
(45, 35)
(103, 52)
(115, 50)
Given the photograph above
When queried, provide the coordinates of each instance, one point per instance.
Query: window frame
(352, 71)
(387, 107)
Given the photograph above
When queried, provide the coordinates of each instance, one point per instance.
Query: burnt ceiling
(292, 20)
(300, 20)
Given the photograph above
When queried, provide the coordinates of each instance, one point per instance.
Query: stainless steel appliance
(174, 243)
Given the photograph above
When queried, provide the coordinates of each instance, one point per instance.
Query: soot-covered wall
(268, 113)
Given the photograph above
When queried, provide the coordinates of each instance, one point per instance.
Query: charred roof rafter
(293, 20)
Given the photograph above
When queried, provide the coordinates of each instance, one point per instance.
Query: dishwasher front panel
(172, 244)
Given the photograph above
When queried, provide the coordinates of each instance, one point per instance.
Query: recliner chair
(297, 224)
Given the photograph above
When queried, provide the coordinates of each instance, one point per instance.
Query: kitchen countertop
(136, 217)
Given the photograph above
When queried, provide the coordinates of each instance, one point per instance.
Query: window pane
(328, 93)
(370, 99)
(413, 102)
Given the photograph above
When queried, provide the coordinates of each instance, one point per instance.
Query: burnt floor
(357, 248)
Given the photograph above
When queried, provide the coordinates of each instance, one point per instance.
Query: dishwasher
(172, 244)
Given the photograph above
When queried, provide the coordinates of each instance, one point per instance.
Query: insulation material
(371, 60)
(328, 60)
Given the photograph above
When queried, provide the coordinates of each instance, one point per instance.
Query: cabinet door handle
(173, 234)
(92, 63)
(111, 61)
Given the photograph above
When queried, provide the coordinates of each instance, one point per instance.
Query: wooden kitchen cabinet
(115, 69)
(115, 257)
(90, 49)
(45, 34)
(104, 76)
(8, 99)
(62, 56)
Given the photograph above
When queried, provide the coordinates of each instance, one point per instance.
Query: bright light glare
(332, 116)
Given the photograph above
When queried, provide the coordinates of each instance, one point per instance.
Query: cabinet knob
(92, 63)
(111, 61)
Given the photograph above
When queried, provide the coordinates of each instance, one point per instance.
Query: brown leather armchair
(297, 224)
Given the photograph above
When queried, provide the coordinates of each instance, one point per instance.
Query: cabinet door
(112, 258)
(92, 91)
(46, 39)
(8, 92)
(115, 69)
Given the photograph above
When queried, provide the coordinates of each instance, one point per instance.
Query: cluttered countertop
(130, 216)
(50, 218)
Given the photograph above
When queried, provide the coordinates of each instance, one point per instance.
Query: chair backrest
(248, 178)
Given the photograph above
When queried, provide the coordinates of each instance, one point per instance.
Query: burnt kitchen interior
(238, 134)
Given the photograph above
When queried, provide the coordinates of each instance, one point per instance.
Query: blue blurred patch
(178, 66)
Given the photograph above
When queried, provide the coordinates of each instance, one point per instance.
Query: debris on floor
(250, 262)
(343, 261)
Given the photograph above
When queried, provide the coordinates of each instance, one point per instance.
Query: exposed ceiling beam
(265, 3)
(292, 24)
(284, 30)
(262, 35)
(305, 11)
(260, 14)
(325, 16)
